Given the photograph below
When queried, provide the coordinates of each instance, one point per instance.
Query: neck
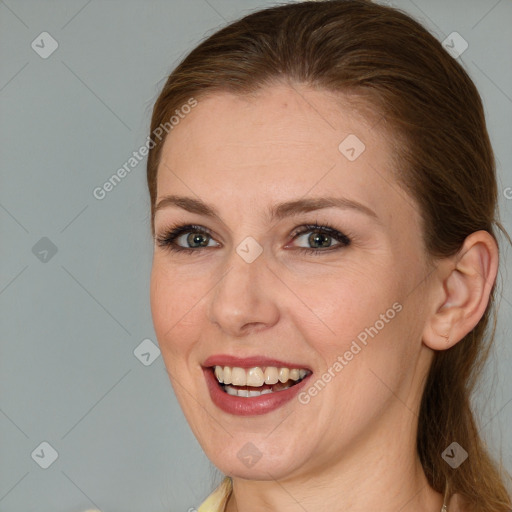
(369, 475)
(415, 496)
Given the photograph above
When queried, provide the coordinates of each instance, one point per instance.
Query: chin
(256, 460)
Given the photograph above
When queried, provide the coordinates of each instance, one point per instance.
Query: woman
(323, 199)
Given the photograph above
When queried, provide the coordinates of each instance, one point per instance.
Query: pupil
(319, 238)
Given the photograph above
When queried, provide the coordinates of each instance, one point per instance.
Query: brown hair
(428, 101)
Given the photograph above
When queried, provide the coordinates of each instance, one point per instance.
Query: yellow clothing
(217, 500)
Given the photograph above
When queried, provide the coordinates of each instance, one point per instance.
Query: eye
(320, 237)
(196, 238)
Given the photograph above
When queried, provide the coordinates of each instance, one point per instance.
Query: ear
(462, 292)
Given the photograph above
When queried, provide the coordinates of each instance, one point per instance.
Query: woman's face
(248, 295)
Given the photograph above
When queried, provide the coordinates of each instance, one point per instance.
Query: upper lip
(249, 362)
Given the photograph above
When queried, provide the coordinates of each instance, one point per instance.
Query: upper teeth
(257, 376)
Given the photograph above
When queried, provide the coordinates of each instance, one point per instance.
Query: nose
(245, 297)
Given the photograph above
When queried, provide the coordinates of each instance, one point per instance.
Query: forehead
(281, 143)
(273, 120)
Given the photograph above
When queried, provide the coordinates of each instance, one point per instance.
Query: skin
(352, 447)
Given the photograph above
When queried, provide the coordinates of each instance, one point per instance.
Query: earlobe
(463, 292)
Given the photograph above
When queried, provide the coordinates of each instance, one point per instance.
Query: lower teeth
(244, 392)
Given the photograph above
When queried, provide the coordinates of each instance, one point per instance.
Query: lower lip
(249, 406)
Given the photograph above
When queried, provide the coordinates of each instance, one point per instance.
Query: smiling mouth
(256, 381)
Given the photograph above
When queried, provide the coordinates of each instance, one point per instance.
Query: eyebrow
(276, 212)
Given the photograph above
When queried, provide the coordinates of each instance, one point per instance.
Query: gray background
(71, 323)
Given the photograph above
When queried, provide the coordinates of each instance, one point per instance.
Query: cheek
(365, 337)
(161, 301)
(342, 309)
(174, 307)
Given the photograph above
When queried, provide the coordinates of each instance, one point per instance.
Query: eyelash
(167, 239)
